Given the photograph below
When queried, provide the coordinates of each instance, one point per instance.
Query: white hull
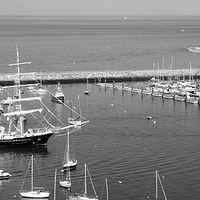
(75, 122)
(70, 164)
(65, 184)
(81, 198)
(40, 91)
(87, 198)
(34, 194)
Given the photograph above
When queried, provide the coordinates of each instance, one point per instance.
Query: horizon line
(108, 16)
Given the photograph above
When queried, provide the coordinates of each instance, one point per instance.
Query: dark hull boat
(4, 175)
(58, 99)
(32, 140)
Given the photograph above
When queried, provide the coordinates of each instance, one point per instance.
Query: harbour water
(119, 142)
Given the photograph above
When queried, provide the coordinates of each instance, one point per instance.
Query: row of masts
(156, 68)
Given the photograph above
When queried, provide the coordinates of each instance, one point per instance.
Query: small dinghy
(4, 175)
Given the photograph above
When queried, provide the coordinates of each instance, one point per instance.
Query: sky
(99, 7)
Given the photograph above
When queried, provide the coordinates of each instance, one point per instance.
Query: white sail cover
(22, 112)
(9, 101)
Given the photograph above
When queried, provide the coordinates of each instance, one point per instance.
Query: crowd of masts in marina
(179, 90)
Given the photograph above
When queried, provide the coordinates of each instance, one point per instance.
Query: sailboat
(33, 192)
(16, 130)
(85, 196)
(39, 89)
(68, 162)
(58, 97)
(75, 118)
(87, 92)
(66, 183)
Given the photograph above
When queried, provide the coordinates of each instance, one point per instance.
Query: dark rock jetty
(98, 76)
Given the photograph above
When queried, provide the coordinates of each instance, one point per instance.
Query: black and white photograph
(99, 100)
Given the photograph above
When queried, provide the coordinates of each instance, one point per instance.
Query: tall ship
(24, 125)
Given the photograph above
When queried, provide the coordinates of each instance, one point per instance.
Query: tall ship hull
(32, 140)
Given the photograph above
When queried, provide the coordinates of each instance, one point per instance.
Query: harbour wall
(98, 76)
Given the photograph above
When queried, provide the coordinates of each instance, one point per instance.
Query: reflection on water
(25, 150)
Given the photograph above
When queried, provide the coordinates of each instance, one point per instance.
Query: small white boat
(33, 192)
(75, 118)
(66, 183)
(136, 90)
(4, 175)
(39, 90)
(191, 99)
(146, 91)
(87, 91)
(69, 162)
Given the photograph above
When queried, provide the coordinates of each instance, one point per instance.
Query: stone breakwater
(97, 76)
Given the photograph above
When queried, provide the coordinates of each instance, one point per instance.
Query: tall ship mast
(16, 129)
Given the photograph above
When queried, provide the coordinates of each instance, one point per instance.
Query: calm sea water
(101, 44)
(119, 143)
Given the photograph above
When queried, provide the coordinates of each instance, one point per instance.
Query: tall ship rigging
(16, 130)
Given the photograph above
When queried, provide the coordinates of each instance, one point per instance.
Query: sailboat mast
(85, 181)
(19, 91)
(17, 81)
(32, 173)
(162, 187)
(107, 188)
(156, 184)
(55, 185)
(71, 110)
(79, 107)
(190, 79)
(67, 145)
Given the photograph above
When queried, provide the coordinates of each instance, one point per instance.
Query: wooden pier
(97, 76)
